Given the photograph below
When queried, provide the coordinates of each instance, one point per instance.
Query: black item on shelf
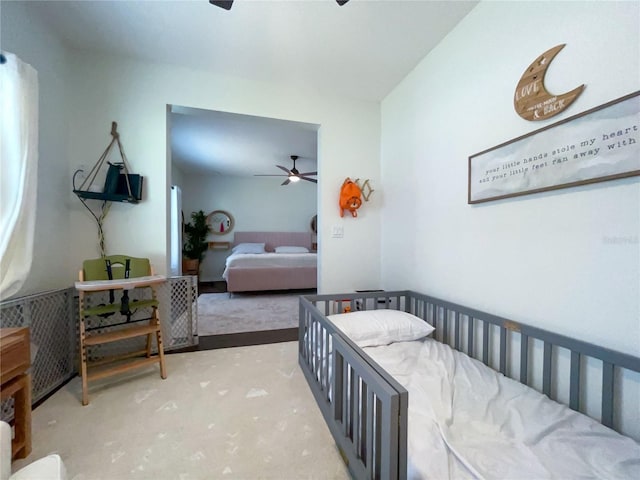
(111, 181)
(135, 182)
(115, 187)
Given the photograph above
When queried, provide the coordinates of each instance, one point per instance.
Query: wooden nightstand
(15, 359)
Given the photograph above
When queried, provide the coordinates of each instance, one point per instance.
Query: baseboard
(244, 339)
(212, 287)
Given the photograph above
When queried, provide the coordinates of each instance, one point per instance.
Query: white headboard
(274, 239)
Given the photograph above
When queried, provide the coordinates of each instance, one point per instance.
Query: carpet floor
(235, 413)
(223, 313)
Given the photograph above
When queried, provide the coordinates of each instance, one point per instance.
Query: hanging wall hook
(114, 130)
(366, 189)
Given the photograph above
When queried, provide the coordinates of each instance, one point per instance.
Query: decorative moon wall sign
(532, 101)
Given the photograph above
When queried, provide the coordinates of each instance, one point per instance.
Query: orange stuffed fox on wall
(350, 194)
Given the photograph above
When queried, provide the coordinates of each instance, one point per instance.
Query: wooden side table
(15, 360)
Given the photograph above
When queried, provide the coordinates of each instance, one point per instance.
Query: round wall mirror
(221, 222)
(314, 224)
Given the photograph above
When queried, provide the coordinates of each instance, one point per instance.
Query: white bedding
(466, 420)
(254, 260)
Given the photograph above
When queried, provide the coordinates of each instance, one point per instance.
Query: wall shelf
(107, 197)
(219, 245)
(119, 185)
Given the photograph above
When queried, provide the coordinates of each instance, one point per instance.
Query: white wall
(256, 204)
(136, 96)
(177, 175)
(542, 259)
(31, 40)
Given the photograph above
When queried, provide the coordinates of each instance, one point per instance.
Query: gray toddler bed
(366, 409)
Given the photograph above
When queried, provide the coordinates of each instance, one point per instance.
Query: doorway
(234, 163)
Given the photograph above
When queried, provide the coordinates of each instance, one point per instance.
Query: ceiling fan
(292, 175)
(226, 4)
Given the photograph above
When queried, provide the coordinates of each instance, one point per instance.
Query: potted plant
(195, 242)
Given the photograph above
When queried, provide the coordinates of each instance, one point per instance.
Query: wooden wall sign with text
(600, 144)
(532, 101)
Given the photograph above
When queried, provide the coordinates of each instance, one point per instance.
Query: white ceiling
(360, 50)
(221, 143)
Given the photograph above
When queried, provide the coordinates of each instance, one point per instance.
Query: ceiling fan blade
(286, 182)
(284, 169)
(226, 4)
(308, 173)
(313, 180)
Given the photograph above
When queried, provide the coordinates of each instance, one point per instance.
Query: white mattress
(268, 260)
(467, 421)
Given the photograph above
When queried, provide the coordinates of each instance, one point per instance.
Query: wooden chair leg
(22, 415)
(152, 321)
(163, 368)
(83, 373)
(83, 358)
(149, 340)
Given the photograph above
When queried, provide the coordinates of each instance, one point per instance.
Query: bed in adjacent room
(262, 261)
(416, 387)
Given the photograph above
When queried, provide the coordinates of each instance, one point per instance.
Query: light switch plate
(337, 231)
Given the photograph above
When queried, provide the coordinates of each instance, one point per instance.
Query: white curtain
(18, 171)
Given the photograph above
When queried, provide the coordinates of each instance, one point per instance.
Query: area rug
(222, 313)
(230, 414)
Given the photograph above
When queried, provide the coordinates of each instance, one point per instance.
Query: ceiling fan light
(294, 178)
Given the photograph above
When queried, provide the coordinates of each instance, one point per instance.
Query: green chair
(117, 270)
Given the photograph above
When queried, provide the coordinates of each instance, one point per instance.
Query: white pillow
(249, 248)
(292, 250)
(372, 328)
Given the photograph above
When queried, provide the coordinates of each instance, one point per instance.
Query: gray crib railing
(459, 326)
(355, 415)
(364, 407)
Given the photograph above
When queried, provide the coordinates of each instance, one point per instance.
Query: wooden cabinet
(15, 360)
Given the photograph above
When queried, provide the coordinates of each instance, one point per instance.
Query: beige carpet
(221, 313)
(237, 413)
